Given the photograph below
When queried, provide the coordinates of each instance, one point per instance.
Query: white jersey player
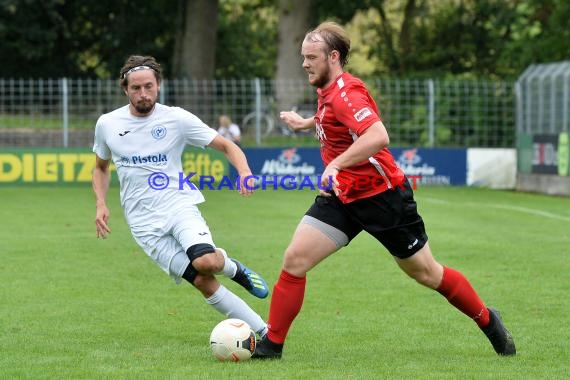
(145, 140)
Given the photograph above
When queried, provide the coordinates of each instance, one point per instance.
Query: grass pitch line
(525, 210)
(531, 211)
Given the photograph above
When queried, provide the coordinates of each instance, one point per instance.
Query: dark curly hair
(142, 62)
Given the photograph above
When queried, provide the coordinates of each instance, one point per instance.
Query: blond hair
(335, 38)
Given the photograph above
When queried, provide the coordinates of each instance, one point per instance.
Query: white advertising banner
(492, 167)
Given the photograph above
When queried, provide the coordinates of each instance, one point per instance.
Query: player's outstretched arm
(237, 158)
(295, 121)
(101, 179)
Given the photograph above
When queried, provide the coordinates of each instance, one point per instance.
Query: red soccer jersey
(345, 110)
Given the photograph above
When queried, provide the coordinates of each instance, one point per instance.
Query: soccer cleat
(266, 349)
(500, 338)
(250, 280)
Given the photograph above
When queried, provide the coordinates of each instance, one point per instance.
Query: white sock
(230, 305)
(230, 268)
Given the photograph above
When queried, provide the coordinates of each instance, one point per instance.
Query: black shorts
(391, 217)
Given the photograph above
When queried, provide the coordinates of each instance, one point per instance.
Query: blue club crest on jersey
(158, 132)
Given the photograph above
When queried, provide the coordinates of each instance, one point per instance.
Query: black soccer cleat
(250, 280)
(266, 349)
(500, 338)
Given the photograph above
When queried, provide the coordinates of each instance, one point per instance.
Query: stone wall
(544, 183)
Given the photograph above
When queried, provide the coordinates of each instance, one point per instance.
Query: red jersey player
(345, 111)
(354, 150)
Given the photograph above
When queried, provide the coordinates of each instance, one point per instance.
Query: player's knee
(291, 255)
(425, 277)
(420, 277)
(423, 268)
(295, 261)
(206, 284)
(208, 264)
(203, 260)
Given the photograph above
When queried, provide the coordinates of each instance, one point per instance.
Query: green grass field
(75, 307)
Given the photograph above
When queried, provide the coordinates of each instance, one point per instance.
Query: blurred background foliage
(420, 38)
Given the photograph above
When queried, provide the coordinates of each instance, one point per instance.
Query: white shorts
(166, 238)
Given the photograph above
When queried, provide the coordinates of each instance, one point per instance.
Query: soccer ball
(232, 340)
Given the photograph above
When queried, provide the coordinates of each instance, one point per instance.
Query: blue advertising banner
(424, 167)
(286, 168)
(433, 167)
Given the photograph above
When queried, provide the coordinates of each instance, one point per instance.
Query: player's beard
(144, 107)
(321, 79)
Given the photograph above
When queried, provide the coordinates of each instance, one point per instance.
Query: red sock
(286, 302)
(459, 292)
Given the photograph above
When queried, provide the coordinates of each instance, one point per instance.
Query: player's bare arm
(237, 158)
(101, 180)
(295, 121)
(371, 141)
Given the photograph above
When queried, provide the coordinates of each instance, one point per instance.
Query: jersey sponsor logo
(320, 132)
(124, 133)
(158, 132)
(362, 114)
(160, 159)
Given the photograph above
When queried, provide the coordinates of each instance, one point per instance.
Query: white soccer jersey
(147, 152)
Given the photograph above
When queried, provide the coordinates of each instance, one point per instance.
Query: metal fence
(543, 119)
(422, 113)
(543, 99)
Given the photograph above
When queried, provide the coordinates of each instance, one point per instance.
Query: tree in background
(539, 34)
(258, 38)
(56, 38)
(294, 21)
(195, 42)
(246, 43)
(490, 38)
